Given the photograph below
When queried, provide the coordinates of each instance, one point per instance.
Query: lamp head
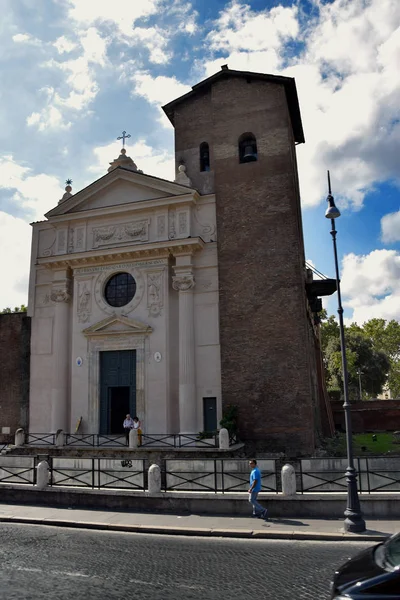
(332, 212)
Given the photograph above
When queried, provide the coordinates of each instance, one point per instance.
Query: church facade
(172, 300)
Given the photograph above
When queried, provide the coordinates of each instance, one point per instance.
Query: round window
(120, 289)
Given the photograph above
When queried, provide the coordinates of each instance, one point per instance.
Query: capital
(183, 283)
(60, 295)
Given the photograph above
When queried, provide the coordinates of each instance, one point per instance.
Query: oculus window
(120, 289)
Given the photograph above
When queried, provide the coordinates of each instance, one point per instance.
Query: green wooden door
(117, 389)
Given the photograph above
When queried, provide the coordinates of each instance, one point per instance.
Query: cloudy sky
(75, 73)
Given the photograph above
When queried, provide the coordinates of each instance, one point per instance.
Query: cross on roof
(124, 137)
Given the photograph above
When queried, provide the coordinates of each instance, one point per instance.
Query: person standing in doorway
(128, 425)
(137, 425)
(255, 487)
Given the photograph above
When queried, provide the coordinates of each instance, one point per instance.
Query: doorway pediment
(117, 325)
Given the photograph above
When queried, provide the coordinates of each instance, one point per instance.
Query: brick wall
(371, 415)
(267, 351)
(15, 331)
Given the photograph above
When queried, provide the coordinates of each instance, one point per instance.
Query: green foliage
(334, 393)
(363, 444)
(206, 435)
(17, 309)
(372, 353)
(229, 419)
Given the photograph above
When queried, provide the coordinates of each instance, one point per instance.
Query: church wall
(189, 134)
(15, 331)
(71, 263)
(173, 363)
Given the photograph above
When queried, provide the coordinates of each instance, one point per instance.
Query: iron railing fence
(17, 469)
(97, 473)
(314, 475)
(40, 439)
(216, 475)
(155, 440)
(374, 474)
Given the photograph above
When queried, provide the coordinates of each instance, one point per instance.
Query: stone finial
(60, 438)
(154, 479)
(133, 438)
(122, 161)
(19, 439)
(68, 190)
(181, 177)
(223, 439)
(288, 480)
(42, 475)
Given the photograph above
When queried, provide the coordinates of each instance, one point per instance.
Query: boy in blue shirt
(255, 488)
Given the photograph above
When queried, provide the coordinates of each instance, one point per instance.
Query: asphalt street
(41, 562)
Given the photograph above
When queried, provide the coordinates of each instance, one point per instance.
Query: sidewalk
(194, 525)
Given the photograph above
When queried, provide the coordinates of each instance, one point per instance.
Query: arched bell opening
(204, 157)
(247, 148)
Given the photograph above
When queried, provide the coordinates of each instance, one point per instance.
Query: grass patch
(382, 445)
(363, 444)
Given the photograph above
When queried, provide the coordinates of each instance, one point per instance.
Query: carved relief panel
(62, 241)
(84, 300)
(121, 233)
(155, 292)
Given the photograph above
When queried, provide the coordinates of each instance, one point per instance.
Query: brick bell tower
(236, 133)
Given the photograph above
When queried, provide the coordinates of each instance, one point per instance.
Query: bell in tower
(247, 148)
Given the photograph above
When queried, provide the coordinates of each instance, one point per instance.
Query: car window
(392, 550)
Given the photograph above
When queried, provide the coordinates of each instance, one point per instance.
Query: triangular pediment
(117, 325)
(120, 186)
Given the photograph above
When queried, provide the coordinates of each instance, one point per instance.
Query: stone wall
(15, 333)
(267, 352)
(371, 415)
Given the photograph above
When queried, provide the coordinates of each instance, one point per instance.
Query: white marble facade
(164, 235)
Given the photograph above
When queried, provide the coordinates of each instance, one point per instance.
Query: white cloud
(26, 38)
(156, 42)
(390, 227)
(158, 91)
(238, 28)
(64, 45)
(80, 82)
(371, 285)
(122, 14)
(34, 195)
(347, 82)
(50, 117)
(147, 159)
(14, 272)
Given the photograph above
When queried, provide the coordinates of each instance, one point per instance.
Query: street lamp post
(354, 521)
(359, 373)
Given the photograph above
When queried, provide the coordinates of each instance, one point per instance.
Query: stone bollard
(224, 439)
(60, 438)
(42, 475)
(288, 480)
(133, 438)
(154, 479)
(20, 437)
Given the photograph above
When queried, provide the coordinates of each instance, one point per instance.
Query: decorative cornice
(140, 252)
(183, 283)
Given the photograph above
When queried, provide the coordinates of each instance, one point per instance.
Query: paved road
(39, 562)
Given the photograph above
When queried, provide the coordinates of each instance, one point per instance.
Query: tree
(367, 353)
(386, 337)
(17, 309)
